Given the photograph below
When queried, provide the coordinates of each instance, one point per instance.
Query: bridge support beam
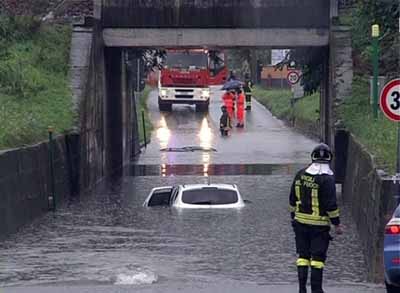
(213, 37)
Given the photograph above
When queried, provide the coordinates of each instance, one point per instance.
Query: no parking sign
(390, 100)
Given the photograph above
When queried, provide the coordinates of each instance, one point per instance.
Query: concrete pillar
(325, 101)
(340, 74)
(113, 111)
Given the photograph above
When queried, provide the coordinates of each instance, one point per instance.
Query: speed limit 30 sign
(293, 77)
(390, 100)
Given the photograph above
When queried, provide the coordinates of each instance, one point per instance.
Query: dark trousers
(312, 244)
(224, 132)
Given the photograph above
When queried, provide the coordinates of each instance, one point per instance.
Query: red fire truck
(217, 69)
(184, 80)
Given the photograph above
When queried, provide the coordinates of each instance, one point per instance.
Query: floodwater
(107, 238)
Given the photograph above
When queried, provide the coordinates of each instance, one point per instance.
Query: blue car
(392, 253)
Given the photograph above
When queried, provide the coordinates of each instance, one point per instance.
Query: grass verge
(34, 88)
(305, 111)
(142, 107)
(379, 136)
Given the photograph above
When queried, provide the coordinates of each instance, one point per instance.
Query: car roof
(212, 185)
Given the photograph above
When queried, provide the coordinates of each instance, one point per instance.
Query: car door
(159, 196)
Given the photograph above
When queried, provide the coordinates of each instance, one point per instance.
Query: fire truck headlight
(205, 93)
(163, 93)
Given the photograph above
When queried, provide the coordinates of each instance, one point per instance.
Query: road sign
(293, 77)
(390, 100)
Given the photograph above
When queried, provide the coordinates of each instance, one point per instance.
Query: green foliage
(143, 107)
(311, 62)
(34, 89)
(279, 103)
(386, 14)
(379, 136)
(240, 60)
(17, 28)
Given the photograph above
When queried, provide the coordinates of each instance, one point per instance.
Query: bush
(34, 91)
(379, 136)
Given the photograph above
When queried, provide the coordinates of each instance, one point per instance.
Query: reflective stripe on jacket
(313, 199)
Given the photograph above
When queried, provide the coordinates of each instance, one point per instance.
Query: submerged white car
(196, 196)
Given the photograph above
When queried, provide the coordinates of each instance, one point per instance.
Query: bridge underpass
(108, 240)
(228, 24)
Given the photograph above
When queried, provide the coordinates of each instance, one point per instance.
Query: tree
(310, 61)
(386, 14)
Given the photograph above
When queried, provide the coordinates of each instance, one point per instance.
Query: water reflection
(206, 137)
(208, 169)
(205, 134)
(163, 133)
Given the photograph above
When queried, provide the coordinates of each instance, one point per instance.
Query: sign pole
(375, 63)
(398, 153)
(390, 105)
(398, 162)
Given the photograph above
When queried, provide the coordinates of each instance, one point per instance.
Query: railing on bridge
(216, 13)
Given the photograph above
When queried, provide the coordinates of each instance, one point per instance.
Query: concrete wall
(217, 13)
(371, 196)
(104, 103)
(337, 81)
(88, 89)
(25, 182)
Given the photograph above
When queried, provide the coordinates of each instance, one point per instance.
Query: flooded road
(108, 242)
(110, 238)
(264, 139)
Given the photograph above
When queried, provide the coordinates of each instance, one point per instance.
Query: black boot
(302, 273)
(316, 280)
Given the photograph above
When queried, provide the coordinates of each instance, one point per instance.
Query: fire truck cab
(184, 80)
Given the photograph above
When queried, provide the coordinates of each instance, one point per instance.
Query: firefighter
(313, 210)
(228, 99)
(224, 122)
(240, 100)
(248, 86)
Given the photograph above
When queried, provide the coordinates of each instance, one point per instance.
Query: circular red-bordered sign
(390, 100)
(293, 77)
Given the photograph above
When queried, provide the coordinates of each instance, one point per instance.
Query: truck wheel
(165, 107)
(202, 107)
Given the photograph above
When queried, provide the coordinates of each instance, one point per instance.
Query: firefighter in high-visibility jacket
(248, 87)
(313, 210)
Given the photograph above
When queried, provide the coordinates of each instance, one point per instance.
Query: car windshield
(186, 60)
(397, 212)
(211, 196)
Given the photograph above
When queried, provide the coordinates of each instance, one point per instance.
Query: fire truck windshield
(186, 60)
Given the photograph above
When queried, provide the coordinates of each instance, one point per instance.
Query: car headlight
(205, 93)
(163, 93)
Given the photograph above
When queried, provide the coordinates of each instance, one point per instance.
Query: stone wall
(371, 196)
(25, 182)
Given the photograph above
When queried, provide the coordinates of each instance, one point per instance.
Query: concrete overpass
(226, 23)
(121, 24)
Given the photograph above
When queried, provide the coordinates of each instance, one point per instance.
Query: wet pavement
(108, 242)
(264, 140)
